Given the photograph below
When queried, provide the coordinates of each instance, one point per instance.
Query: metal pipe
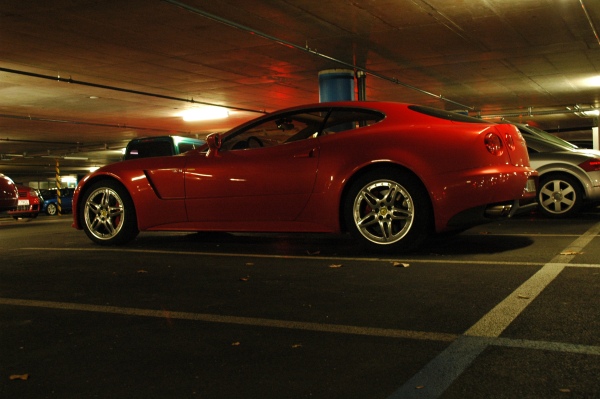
(587, 15)
(308, 50)
(142, 93)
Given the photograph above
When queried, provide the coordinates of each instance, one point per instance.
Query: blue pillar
(336, 85)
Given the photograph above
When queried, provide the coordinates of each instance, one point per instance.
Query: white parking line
(265, 256)
(431, 381)
(249, 321)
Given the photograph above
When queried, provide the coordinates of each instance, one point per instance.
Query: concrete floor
(503, 310)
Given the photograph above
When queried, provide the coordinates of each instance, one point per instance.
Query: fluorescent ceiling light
(593, 81)
(204, 114)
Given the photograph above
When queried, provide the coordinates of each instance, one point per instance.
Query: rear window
(443, 114)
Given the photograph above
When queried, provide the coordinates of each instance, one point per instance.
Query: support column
(595, 135)
(58, 200)
(361, 79)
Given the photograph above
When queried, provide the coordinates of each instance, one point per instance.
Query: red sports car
(9, 195)
(388, 173)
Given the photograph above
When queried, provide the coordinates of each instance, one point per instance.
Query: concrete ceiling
(80, 78)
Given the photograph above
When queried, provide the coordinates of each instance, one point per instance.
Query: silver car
(569, 176)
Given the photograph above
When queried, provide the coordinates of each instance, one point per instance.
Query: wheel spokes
(383, 212)
(104, 213)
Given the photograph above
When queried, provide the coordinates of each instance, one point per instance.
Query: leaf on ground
(249, 264)
(297, 346)
(564, 390)
(236, 343)
(522, 296)
(335, 266)
(400, 264)
(23, 377)
(571, 253)
(245, 278)
(142, 271)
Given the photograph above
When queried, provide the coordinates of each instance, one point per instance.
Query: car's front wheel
(559, 195)
(108, 214)
(51, 209)
(388, 211)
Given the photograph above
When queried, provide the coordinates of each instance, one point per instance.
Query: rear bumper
(485, 213)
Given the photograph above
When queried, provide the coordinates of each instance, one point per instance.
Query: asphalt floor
(507, 309)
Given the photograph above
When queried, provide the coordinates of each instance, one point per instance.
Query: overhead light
(582, 112)
(76, 158)
(594, 81)
(204, 114)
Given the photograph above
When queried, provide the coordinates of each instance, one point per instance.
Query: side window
(145, 149)
(279, 129)
(185, 147)
(348, 119)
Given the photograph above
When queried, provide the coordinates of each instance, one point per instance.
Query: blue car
(50, 203)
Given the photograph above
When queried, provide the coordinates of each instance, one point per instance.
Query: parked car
(569, 177)
(388, 173)
(28, 206)
(50, 201)
(583, 143)
(529, 131)
(9, 194)
(157, 146)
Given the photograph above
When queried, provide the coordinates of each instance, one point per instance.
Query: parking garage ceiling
(80, 78)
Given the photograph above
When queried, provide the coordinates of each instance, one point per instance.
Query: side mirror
(214, 141)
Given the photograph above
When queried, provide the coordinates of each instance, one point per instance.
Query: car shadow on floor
(322, 244)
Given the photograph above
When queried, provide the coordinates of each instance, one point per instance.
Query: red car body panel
(28, 205)
(299, 186)
(9, 194)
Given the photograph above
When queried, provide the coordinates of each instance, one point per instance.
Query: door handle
(309, 154)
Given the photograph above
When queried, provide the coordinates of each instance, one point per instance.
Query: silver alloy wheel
(104, 213)
(51, 209)
(383, 211)
(557, 196)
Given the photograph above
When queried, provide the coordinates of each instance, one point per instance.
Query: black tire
(52, 209)
(108, 214)
(388, 211)
(559, 195)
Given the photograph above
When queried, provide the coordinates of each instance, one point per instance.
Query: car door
(264, 184)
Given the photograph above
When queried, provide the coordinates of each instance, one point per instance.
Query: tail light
(493, 143)
(591, 165)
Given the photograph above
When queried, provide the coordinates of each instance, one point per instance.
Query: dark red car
(388, 173)
(28, 204)
(9, 195)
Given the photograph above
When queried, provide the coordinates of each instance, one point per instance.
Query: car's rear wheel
(559, 195)
(388, 210)
(108, 214)
(51, 209)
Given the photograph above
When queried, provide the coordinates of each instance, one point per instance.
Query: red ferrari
(390, 174)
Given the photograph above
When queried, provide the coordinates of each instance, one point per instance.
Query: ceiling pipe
(308, 50)
(70, 122)
(114, 88)
(529, 112)
(587, 15)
